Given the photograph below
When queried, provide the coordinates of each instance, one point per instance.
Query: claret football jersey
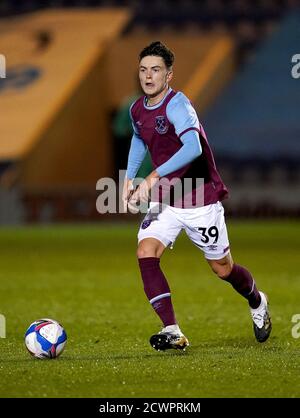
(161, 127)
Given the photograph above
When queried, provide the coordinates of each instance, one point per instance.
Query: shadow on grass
(235, 344)
(95, 358)
(228, 346)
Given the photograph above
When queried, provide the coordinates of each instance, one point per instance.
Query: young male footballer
(165, 123)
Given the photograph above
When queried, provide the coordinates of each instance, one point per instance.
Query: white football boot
(169, 337)
(261, 320)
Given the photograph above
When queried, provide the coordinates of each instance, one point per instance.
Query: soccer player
(165, 123)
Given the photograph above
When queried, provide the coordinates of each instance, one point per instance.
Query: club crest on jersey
(146, 223)
(161, 124)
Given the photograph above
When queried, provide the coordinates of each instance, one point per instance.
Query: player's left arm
(183, 116)
(190, 150)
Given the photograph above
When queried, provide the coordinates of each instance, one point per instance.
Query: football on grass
(45, 339)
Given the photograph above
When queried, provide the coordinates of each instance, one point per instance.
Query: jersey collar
(159, 103)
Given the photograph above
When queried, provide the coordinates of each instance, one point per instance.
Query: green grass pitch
(87, 278)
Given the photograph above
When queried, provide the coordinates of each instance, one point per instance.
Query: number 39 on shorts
(209, 233)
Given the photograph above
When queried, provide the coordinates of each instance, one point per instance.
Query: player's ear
(169, 76)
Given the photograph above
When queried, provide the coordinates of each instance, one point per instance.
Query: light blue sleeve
(135, 130)
(136, 156)
(190, 150)
(182, 114)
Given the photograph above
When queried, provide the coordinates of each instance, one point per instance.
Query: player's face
(154, 76)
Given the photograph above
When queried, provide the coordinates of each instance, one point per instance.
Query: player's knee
(144, 251)
(150, 248)
(224, 273)
(222, 270)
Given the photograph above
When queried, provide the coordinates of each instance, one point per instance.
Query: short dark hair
(158, 49)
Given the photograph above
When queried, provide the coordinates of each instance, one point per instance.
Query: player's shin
(157, 289)
(242, 281)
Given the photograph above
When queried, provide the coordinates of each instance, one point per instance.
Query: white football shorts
(205, 226)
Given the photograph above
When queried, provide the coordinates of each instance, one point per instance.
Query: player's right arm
(136, 156)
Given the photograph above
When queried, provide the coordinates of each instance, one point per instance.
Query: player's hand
(142, 193)
(128, 190)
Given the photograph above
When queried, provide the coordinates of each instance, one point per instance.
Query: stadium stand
(62, 143)
(53, 127)
(258, 142)
(247, 20)
(212, 38)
